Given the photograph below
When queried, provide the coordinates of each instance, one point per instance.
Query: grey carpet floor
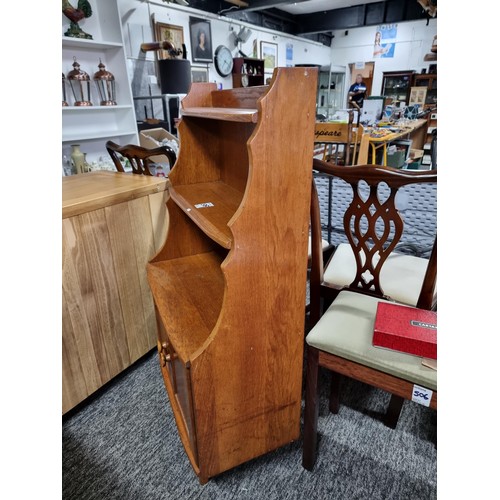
(123, 444)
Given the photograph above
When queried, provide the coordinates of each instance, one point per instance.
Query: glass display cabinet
(396, 85)
(330, 91)
(430, 82)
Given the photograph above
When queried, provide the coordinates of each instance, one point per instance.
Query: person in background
(357, 93)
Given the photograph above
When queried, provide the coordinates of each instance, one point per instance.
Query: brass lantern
(80, 85)
(64, 101)
(105, 82)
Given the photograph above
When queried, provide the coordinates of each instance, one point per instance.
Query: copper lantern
(105, 82)
(80, 85)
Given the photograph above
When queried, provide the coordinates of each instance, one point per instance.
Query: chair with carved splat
(138, 156)
(341, 339)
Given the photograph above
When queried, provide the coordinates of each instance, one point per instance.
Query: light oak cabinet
(112, 224)
(229, 284)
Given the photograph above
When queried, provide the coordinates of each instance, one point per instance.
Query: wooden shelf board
(188, 294)
(227, 114)
(212, 220)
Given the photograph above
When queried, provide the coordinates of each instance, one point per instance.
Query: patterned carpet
(123, 444)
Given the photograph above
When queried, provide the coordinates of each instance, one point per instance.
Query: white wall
(137, 29)
(413, 42)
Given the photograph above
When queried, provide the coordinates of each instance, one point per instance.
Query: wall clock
(223, 60)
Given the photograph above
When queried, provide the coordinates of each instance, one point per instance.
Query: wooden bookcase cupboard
(229, 283)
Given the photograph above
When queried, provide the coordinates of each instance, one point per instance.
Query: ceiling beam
(265, 5)
(390, 11)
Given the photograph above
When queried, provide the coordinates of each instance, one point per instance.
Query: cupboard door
(177, 379)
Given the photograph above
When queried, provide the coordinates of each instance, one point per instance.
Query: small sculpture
(83, 11)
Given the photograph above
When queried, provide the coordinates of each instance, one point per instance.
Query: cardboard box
(153, 137)
(406, 329)
(415, 159)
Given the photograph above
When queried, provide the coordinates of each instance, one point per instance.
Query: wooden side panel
(131, 240)
(108, 310)
(199, 154)
(159, 217)
(183, 237)
(234, 153)
(245, 98)
(92, 307)
(247, 381)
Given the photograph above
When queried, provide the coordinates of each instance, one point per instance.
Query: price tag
(204, 205)
(421, 395)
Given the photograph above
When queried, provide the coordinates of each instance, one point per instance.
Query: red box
(406, 329)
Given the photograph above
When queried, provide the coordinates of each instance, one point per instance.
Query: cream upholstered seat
(355, 313)
(401, 276)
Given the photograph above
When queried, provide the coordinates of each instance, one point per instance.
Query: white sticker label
(204, 205)
(421, 395)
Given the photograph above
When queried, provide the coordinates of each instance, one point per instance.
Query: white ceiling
(318, 5)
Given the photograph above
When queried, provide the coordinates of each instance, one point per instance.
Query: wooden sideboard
(112, 224)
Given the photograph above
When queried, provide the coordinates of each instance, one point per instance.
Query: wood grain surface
(236, 319)
(108, 311)
(93, 190)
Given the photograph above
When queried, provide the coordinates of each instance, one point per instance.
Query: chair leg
(311, 410)
(335, 393)
(393, 411)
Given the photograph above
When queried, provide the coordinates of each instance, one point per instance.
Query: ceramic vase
(78, 158)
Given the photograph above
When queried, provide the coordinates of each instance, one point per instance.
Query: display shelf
(212, 220)
(84, 44)
(232, 362)
(194, 286)
(256, 66)
(225, 114)
(104, 25)
(96, 124)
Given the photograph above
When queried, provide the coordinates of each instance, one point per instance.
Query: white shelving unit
(92, 126)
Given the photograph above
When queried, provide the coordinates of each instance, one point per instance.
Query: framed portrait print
(201, 40)
(171, 33)
(199, 74)
(269, 52)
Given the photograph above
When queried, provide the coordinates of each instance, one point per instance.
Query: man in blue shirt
(357, 92)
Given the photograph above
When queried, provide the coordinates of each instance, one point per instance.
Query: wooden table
(415, 131)
(112, 224)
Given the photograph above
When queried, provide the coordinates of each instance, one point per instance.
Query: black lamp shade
(175, 76)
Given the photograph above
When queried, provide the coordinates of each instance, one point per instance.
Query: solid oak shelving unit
(229, 283)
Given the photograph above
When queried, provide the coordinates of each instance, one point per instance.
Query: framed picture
(171, 33)
(201, 40)
(418, 95)
(199, 74)
(269, 52)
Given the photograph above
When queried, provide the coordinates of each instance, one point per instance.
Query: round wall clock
(223, 60)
